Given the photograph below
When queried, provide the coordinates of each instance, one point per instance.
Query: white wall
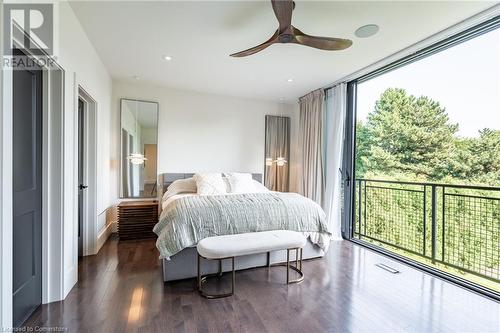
(206, 132)
(148, 135)
(84, 68)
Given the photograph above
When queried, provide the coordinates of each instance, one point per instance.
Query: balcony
(455, 228)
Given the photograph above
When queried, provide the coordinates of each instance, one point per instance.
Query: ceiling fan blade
(283, 10)
(258, 48)
(323, 43)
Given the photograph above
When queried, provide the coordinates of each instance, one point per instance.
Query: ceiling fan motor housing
(285, 38)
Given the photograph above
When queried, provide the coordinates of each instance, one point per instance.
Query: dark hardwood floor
(121, 289)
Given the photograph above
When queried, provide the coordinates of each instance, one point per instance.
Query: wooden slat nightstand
(136, 219)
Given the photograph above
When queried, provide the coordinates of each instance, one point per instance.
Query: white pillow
(259, 187)
(241, 182)
(187, 185)
(210, 183)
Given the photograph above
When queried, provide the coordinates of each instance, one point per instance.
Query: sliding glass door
(422, 158)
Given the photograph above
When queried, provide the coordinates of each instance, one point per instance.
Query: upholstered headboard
(165, 179)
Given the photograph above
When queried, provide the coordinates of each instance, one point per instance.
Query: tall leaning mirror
(277, 150)
(139, 141)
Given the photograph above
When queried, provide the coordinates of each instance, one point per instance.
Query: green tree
(486, 149)
(477, 160)
(462, 164)
(408, 135)
(362, 150)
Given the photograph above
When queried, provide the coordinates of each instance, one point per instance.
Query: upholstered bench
(231, 246)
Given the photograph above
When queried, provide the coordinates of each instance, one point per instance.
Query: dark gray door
(27, 196)
(81, 181)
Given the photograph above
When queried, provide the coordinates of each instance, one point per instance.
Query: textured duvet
(187, 220)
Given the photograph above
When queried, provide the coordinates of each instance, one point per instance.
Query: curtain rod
(414, 48)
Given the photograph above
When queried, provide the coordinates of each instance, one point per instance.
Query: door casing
(89, 215)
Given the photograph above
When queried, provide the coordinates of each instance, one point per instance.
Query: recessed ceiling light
(167, 57)
(137, 77)
(290, 80)
(367, 31)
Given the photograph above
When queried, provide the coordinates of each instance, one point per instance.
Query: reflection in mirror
(277, 152)
(139, 133)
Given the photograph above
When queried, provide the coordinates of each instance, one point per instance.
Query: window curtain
(336, 107)
(311, 143)
(277, 145)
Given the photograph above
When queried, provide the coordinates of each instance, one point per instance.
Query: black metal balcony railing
(455, 225)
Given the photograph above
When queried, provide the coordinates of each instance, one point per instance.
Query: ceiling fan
(287, 33)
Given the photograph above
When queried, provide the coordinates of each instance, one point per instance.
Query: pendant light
(136, 158)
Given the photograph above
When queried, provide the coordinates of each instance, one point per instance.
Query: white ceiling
(131, 38)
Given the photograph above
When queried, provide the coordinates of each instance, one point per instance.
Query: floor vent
(387, 268)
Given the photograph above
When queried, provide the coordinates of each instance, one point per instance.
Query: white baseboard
(105, 233)
(70, 279)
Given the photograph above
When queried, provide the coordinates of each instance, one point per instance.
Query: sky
(465, 79)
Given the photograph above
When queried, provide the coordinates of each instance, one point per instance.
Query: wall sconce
(280, 161)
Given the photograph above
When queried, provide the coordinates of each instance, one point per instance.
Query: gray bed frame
(183, 264)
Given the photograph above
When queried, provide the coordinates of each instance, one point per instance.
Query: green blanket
(187, 220)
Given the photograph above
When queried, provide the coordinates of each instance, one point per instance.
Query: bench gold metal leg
(301, 254)
(233, 277)
(297, 267)
(288, 266)
(202, 279)
(199, 273)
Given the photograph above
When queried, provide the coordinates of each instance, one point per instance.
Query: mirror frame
(120, 184)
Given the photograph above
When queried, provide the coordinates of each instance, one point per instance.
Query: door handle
(346, 179)
(82, 187)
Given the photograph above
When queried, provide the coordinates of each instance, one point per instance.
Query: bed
(187, 218)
